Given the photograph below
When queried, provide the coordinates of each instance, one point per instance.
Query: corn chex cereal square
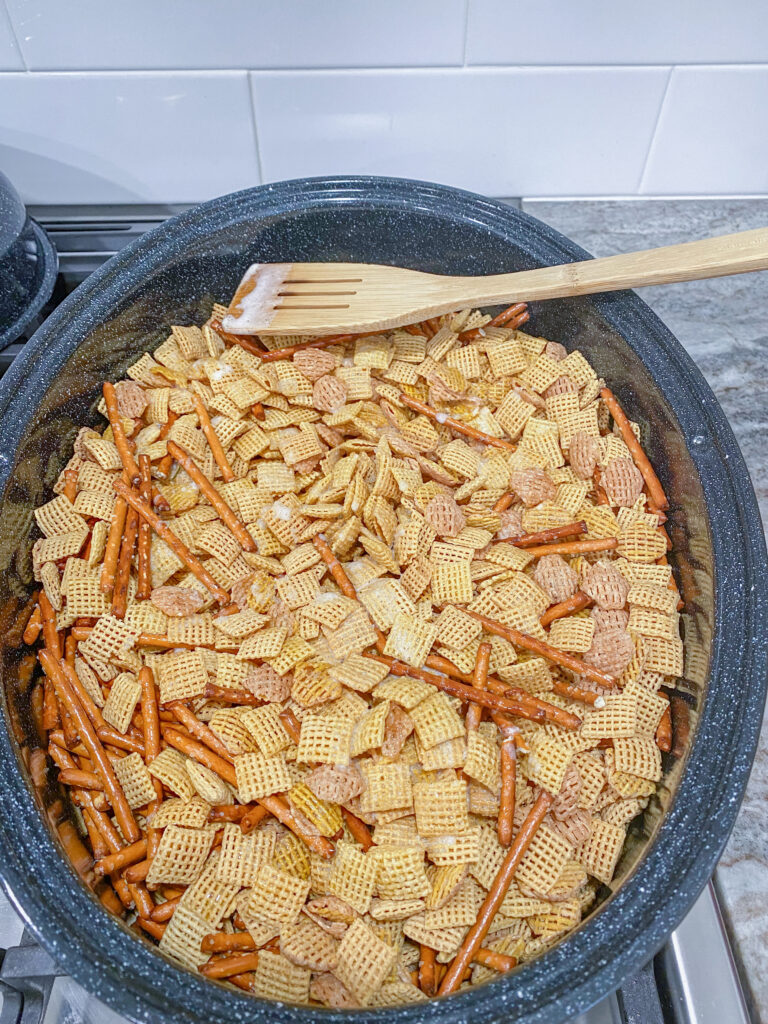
(451, 851)
(544, 860)
(183, 936)
(324, 740)
(404, 691)
(353, 876)
(264, 643)
(436, 720)
(601, 851)
(259, 775)
(169, 768)
(183, 675)
(359, 673)
(410, 640)
(441, 807)
(364, 961)
(122, 700)
(483, 760)
(456, 629)
(276, 977)
(241, 856)
(135, 780)
(266, 728)
(277, 896)
(368, 731)
(401, 872)
(387, 787)
(452, 583)
(180, 855)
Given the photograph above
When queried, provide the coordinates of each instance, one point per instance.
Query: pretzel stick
(154, 640)
(165, 533)
(574, 547)
(91, 742)
(33, 626)
(51, 719)
(577, 693)
(199, 730)
(510, 313)
(334, 567)
(558, 611)
(456, 425)
(237, 963)
(252, 818)
(56, 709)
(508, 778)
(112, 549)
(358, 829)
(664, 732)
(291, 724)
(533, 708)
(641, 460)
(291, 350)
(496, 961)
(235, 339)
(529, 540)
(111, 736)
(51, 636)
(479, 681)
(123, 574)
(123, 858)
(530, 643)
(137, 872)
(470, 695)
(118, 434)
(190, 467)
(681, 726)
(151, 728)
(213, 440)
(473, 940)
(164, 465)
(223, 942)
(144, 587)
(153, 928)
(427, 972)
(601, 498)
(80, 779)
(227, 812)
(165, 911)
(504, 502)
(70, 484)
(273, 804)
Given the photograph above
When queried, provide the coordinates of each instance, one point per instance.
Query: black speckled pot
(172, 275)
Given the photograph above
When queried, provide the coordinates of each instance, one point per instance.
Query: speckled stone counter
(724, 327)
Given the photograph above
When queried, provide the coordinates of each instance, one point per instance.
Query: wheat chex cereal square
(259, 775)
(410, 640)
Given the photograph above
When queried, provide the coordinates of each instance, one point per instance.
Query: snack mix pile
(353, 652)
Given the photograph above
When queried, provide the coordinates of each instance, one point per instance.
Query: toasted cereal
(364, 961)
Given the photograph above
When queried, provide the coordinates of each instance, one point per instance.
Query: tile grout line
(250, 85)
(466, 32)
(655, 133)
(14, 36)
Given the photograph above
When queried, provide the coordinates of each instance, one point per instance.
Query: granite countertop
(723, 325)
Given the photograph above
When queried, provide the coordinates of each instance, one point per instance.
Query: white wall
(179, 100)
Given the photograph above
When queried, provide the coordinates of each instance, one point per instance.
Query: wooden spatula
(335, 298)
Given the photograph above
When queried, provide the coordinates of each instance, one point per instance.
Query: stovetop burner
(692, 980)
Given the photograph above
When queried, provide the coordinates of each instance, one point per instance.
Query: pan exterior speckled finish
(172, 275)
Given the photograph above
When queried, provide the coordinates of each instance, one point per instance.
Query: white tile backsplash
(10, 58)
(712, 135)
(140, 100)
(607, 32)
(117, 138)
(511, 132)
(146, 34)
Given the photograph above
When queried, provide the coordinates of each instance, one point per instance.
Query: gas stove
(692, 980)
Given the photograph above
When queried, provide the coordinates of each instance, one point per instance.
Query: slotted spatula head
(335, 298)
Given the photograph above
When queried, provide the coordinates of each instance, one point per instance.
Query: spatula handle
(691, 261)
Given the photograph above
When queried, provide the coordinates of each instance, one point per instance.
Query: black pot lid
(28, 266)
